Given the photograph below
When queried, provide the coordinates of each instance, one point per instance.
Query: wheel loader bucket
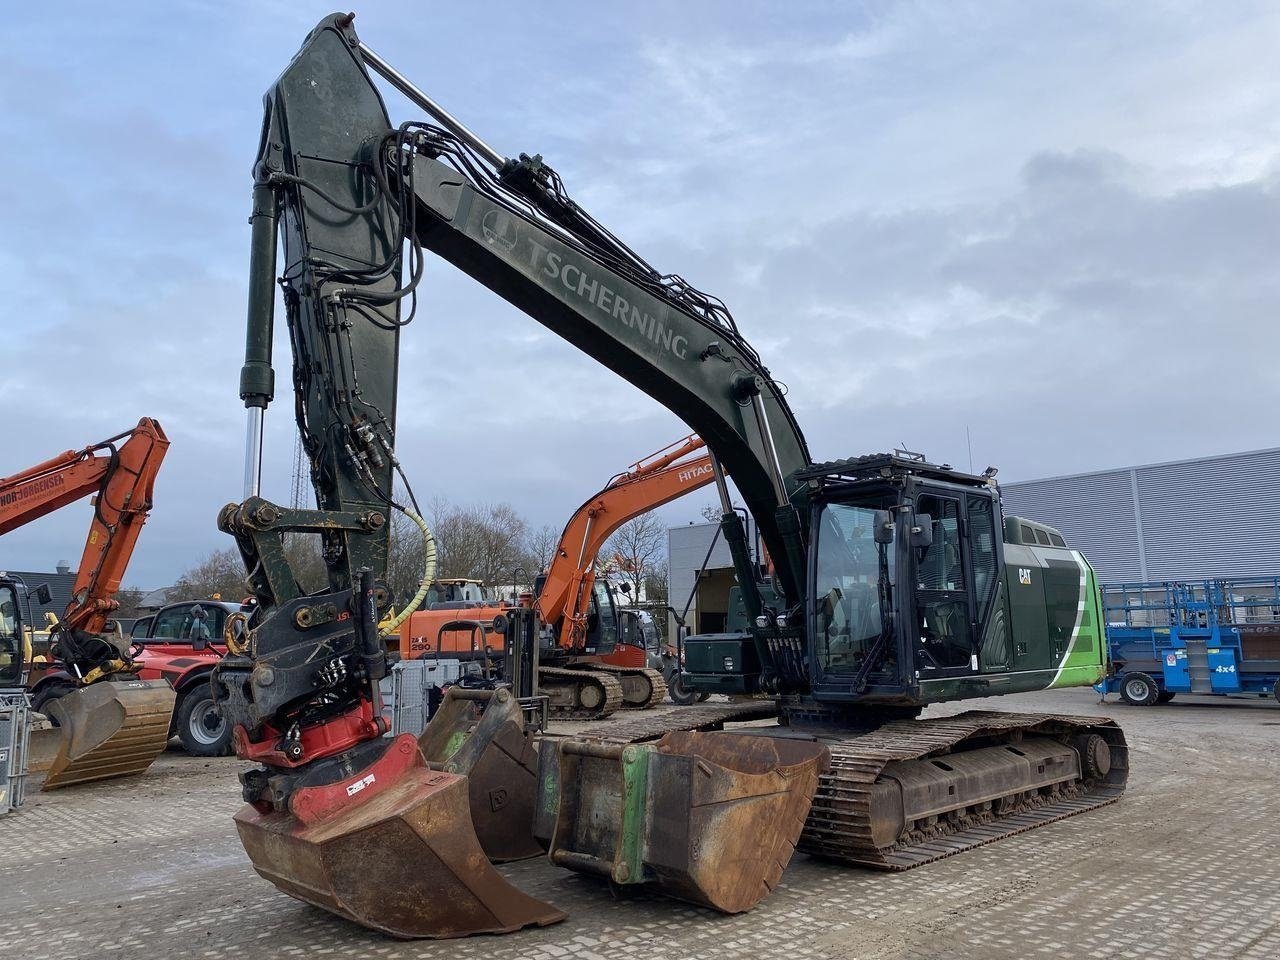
(482, 735)
(711, 818)
(392, 848)
(108, 729)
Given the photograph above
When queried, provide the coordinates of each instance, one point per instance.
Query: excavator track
(605, 693)
(841, 824)
(642, 688)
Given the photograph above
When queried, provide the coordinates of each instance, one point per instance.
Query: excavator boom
(105, 728)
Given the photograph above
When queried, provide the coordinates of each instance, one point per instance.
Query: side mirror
(922, 531)
(884, 527)
(43, 595)
(624, 586)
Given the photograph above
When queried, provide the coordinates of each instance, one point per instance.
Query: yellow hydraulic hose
(428, 573)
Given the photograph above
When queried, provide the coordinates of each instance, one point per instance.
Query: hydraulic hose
(428, 572)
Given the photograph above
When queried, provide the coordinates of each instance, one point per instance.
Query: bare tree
(542, 546)
(128, 598)
(638, 549)
(220, 573)
(302, 550)
(484, 542)
(711, 512)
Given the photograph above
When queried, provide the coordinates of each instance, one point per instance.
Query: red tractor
(181, 643)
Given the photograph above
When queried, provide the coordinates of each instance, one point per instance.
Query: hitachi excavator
(585, 669)
(895, 582)
(108, 722)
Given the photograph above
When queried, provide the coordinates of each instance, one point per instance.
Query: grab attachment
(711, 818)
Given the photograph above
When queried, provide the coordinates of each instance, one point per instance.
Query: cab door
(944, 617)
(984, 548)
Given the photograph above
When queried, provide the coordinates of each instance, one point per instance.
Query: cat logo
(1024, 576)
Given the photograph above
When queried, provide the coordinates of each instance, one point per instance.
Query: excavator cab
(915, 591)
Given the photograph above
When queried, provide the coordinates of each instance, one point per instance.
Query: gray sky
(1056, 225)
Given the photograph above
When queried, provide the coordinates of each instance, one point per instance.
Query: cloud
(1052, 228)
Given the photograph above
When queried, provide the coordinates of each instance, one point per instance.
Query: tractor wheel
(203, 730)
(1139, 690)
(1164, 697)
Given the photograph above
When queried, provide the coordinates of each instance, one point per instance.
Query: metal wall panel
(1217, 517)
(686, 548)
(1210, 517)
(1094, 512)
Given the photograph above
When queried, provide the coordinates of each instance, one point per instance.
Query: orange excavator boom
(122, 477)
(646, 485)
(104, 729)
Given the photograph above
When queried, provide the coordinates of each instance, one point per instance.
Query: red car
(181, 643)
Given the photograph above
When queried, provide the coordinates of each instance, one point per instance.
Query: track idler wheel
(482, 735)
(391, 847)
(711, 818)
(108, 729)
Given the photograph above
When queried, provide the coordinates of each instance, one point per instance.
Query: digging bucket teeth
(391, 847)
(711, 818)
(482, 735)
(108, 729)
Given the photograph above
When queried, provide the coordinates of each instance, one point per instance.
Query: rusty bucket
(482, 735)
(712, 818)
(108, 729)
(392, 848)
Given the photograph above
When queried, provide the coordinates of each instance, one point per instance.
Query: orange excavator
(106, 722)
(590, 663)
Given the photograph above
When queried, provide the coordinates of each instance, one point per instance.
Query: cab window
(943, 615)
(181, 625)
(10, 649)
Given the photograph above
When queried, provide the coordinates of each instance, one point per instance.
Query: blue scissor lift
(1202, 637)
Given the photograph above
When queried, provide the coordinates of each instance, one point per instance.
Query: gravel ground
(1185, 865)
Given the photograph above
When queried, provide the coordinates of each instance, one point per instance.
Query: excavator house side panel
(711, 818)
(405, 861)
(109, 729)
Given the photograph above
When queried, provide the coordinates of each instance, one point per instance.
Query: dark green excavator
(893, 583)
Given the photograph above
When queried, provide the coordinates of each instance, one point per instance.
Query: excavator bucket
(390, 847)
(711, 818)
(107, 729)
(482, 735)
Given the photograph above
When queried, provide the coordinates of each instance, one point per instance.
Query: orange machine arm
(656, 480)
(122, 476)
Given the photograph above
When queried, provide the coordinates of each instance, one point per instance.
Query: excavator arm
(104, 729)
(121, 478)
(646, 485)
